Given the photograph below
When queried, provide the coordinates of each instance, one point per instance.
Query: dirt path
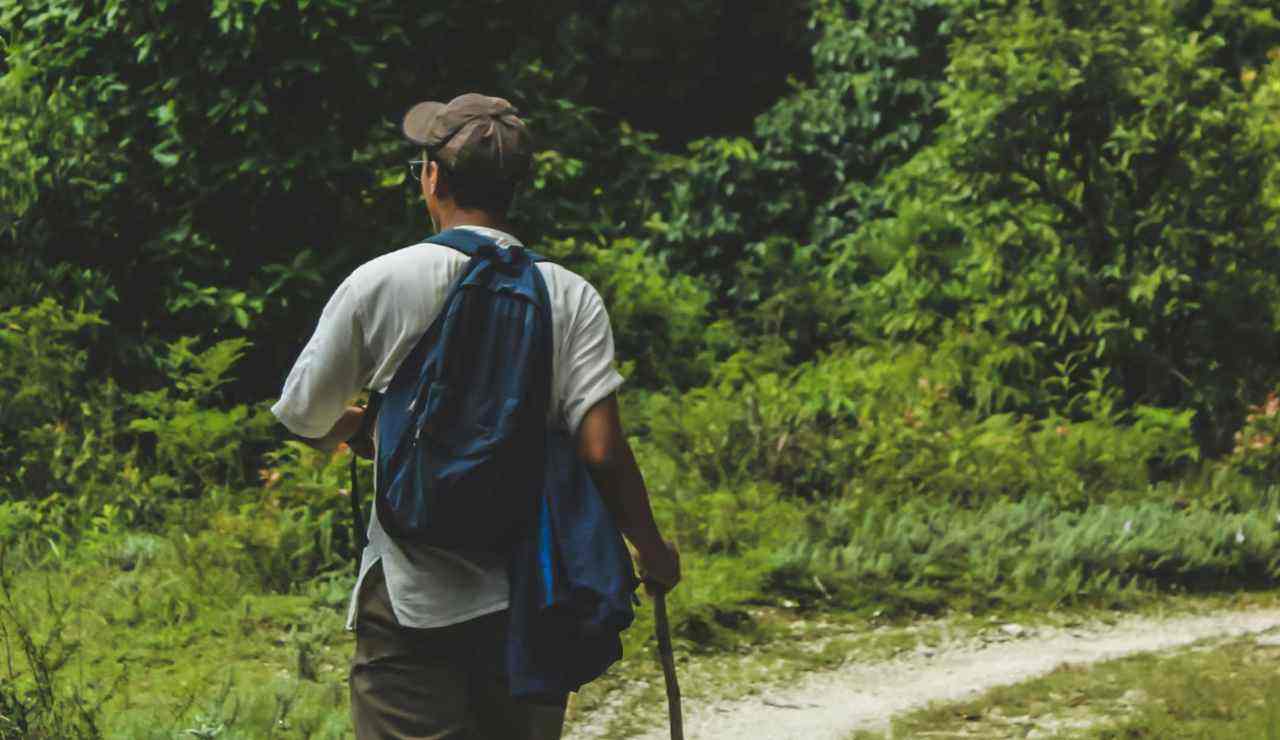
(832, 705)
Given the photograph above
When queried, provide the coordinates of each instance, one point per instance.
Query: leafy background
(923, 305)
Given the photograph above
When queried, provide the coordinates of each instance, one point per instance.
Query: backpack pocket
(468, 431)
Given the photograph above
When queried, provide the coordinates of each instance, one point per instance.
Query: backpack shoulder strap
(463, 240)
(469, 243)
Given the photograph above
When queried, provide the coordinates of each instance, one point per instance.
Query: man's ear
(437, 184)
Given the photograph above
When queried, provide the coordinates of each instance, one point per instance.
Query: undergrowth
(156, 633)
(169, 644)
(1212, 690)
(175, 568)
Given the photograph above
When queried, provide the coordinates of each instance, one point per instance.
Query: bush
(1101, 195)
(1256, 453)
(59, 426)
(197, 442)
(662, 321)
(90, 457)
(880, 424)
(42, 368)
(924, 556)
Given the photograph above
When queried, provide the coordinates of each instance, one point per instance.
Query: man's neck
(472, 217)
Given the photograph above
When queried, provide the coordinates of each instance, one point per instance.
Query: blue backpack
(462, 427)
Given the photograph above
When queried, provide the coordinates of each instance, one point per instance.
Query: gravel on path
(831, 705)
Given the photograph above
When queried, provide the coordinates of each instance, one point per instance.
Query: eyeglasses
(415, 168)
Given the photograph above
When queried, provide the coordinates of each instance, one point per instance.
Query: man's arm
(334, 365)
(343, 430)
(604, 448)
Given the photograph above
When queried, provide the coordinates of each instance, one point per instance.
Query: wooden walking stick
(663, 630)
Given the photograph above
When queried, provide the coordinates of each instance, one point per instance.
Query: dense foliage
(973, 303)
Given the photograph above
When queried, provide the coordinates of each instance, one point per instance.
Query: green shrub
(926, 556)
(738, 209)
(1257, 445)
(886, 424)
(42, 383)
(1100, 194)
(197, 441)
(91, 458)
(59, 425)
(662, 321)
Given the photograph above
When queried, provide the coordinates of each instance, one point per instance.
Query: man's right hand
(659, 567)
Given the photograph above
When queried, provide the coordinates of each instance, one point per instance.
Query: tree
(761, 218)
(1097, 196)
(219, 167)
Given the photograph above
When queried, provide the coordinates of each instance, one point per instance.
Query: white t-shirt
(369, 325)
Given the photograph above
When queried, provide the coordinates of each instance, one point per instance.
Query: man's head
(478, 150)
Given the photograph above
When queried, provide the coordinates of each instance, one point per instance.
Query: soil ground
(867, 695)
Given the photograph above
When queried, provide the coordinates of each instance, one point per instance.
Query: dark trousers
(436, 683)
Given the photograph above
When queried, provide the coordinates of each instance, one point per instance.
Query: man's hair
(488, 194)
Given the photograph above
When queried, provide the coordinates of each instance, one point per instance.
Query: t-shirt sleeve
(332, 368)
(588, 372)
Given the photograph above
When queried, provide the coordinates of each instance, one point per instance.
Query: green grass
(159, 647)
(163, 639)
(157, 639)
(1213, 689)
(203, 630)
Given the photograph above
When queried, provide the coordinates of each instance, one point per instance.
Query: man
(424, 618)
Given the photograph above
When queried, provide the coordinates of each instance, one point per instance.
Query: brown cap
(472, 134)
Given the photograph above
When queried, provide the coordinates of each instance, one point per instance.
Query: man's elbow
(601, 444)
(601, 456)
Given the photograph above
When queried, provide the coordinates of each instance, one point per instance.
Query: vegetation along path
(865, 696)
